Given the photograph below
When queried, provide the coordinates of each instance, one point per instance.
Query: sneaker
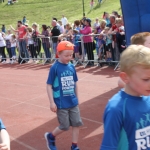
(50, 143)
(4, 62)
(76, 148)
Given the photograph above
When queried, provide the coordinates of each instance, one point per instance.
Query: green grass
(42, 11)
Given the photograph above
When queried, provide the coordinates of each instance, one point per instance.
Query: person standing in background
(64, 21)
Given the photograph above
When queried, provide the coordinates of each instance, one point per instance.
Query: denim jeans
(23, 47)
(46, 50)
(13, 51)
(55, 47)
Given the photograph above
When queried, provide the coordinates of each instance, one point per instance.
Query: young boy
(142, 38)
(63, 96)
(127, 114)
(4, 137)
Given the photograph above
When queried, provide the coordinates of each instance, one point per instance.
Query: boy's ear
(124, 77)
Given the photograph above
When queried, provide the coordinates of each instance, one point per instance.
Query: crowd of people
(107, 36)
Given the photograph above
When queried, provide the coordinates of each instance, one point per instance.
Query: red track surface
(24, 105)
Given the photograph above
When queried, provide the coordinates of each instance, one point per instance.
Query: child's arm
(53, 106)
(76, 91)
(4, 137)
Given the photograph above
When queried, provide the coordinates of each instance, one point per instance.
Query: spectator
(58, 25)
(13, 48)
(37, 41)
(99, 1)
(88, 41)
(115, 52)
(61, 27)
(3, 28)
(32, 49)
(4, 137)
(91, 4)
(2, 48)
(64, 21)
(24, 20)
(46, 43)
(115, 13)
(106, 17)
(96, 24)
(8, 44)
(21, 30)
(120, 35)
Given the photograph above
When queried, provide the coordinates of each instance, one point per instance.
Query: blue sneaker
(50, 143)
(76, 148)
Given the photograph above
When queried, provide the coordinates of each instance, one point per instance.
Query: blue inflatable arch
(136, 14)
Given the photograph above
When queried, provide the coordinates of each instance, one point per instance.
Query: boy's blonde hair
(139, 38)
(135, 55)
(118, 20)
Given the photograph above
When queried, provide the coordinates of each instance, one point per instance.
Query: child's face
(119, 24)
(147, 42)
(65, 56)
(138, 83)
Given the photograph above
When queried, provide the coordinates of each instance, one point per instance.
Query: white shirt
(2, 41)
(64, 21)
(13, 43)
(96, 25)
(8, 36)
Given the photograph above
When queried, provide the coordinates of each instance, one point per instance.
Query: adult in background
(113, 31)
(55, 32)
(57, 24)
(37, 41)
(2, 48)
(61, 27)
(106, 17)
(46, 42)
(64, 21)
(21, 30)
(88, 40)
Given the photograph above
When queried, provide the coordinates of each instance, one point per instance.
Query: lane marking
(94, 121)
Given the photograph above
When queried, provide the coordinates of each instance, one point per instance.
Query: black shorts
(108, 47)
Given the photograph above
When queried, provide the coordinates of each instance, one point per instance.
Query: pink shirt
(86, 31)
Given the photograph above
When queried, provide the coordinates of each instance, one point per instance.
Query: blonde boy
(63, 96)
(142, 38)
(127, 114)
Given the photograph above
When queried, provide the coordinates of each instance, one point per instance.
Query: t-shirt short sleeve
(75, 74)
(51, 75)
(1, 125)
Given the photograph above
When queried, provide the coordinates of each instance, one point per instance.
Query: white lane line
(28, 102)
(92, 120)
(25, 85)
(21, 143)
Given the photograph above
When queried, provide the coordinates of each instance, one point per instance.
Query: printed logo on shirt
(142, 134)
(67, 82)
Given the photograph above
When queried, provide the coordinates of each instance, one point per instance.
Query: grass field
(41, 11)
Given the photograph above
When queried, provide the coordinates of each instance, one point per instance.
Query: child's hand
(4, 146)
(53, 107)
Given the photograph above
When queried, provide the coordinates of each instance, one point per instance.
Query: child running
(63, 96)
(127, 114)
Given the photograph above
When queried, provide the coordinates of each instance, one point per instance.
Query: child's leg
(56, 131)
(75, 134)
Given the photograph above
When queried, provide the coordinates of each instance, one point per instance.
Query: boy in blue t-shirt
(4, 137)
(63, 96)
(127, 114)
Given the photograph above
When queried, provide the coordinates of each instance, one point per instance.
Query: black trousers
(89, 47)
(32, 50)
(2, 52)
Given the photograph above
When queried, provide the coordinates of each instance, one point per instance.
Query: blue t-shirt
(76, 39)
(127, 123)
(63, 79)
(1, 125)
